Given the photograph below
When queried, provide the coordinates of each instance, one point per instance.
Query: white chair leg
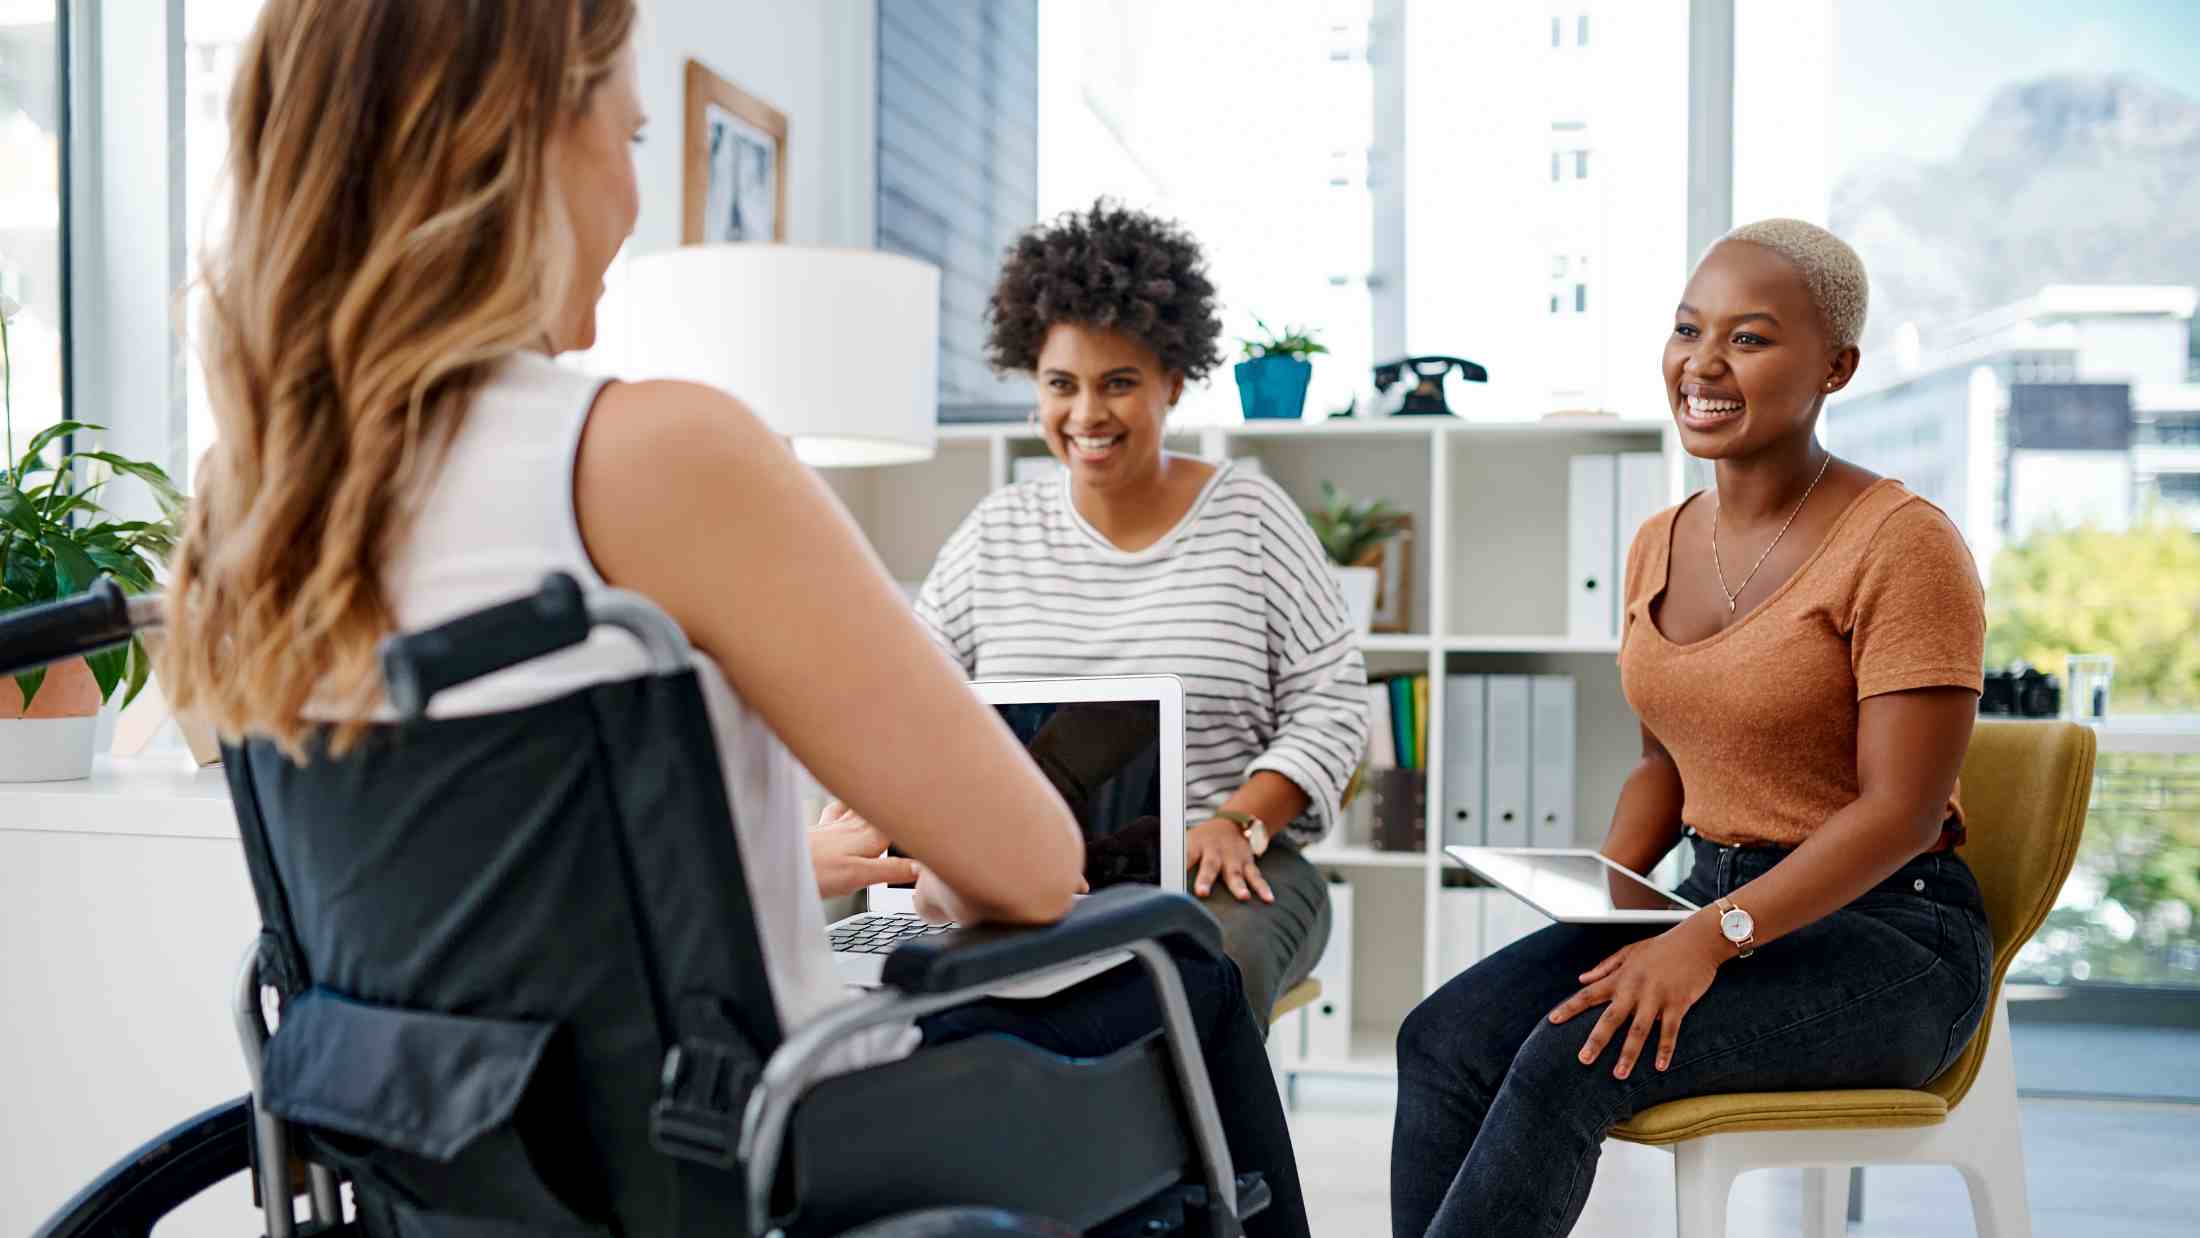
(1825, 1202)
(1990, 1135)
(1703, 1178)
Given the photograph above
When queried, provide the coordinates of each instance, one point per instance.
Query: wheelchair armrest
(973, 957)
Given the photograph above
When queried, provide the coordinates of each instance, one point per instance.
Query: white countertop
(2160, 733)
(161, 796)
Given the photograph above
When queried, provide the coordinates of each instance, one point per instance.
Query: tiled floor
(2097, 1170)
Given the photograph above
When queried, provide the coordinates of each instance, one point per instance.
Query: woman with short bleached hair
(1803, 646)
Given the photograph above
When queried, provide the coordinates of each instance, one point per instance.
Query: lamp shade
(837, 349)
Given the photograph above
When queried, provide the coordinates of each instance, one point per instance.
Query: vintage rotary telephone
(1426, 396)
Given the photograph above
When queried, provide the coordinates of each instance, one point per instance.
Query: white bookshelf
(1489, 509)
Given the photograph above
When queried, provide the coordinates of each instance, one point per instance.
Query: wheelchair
(508, 982)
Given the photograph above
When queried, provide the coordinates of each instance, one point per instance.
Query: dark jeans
(1274, 944)
(1113, 1009)
(1499, 1124)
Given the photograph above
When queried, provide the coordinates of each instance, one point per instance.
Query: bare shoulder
(653, 416)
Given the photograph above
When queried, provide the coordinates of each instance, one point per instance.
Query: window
(1937, 150)
(1481, 77)
(1554, 302)
(1581, 298)
(1558, 32)
(1157, 103)
(214, 33)
(1581, 34)
(2178, 431)
(31, 259)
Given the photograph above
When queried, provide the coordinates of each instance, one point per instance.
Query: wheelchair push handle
(418, 665)
(97, 619)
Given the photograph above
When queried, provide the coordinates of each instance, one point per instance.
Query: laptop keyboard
(880, 934)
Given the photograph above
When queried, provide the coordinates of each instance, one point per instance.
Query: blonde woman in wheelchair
(425, 198)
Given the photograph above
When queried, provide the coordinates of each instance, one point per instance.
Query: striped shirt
(1236, 600)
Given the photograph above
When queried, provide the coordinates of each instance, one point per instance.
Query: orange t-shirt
(1761, 717)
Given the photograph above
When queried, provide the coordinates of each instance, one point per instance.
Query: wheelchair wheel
(129, 1199)
(963, 1223)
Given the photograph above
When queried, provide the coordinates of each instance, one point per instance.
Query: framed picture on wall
(736, 178)
(1394, 581)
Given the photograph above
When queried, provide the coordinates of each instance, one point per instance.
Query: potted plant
(1353, 534)
(56, 540)
(1272, 378)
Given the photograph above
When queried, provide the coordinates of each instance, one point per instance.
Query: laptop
(1113, 746)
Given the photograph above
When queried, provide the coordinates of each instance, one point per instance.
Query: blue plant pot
(1273, 388)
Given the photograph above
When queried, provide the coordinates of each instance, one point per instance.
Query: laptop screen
(1104, 758)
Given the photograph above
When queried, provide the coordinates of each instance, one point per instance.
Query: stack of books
(1397, 715)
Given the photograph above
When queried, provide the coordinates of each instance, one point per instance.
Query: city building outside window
(2012, 179)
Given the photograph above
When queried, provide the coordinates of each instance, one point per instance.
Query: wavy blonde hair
(393, 232)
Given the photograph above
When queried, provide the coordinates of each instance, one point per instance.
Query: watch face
(1737, 925)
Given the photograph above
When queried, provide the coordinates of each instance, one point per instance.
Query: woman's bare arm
(684, 496)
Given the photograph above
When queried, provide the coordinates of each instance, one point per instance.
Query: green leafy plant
(1297, 343)
(1349, 530)
(57, 540)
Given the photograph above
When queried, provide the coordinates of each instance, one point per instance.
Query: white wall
(815, 61)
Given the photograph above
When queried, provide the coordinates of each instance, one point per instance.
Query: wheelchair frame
(105, 617)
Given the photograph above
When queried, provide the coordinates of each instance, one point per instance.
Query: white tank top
(499, 518)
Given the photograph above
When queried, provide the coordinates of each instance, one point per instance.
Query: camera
(2021, 692)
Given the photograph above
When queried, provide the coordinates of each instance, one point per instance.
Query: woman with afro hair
(1135, 560)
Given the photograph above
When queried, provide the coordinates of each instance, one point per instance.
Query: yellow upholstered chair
(2025, 789)
(1297, 997)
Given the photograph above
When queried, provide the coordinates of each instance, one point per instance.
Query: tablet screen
(1572, 885)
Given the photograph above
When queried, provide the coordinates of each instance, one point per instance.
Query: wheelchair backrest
(521, 976)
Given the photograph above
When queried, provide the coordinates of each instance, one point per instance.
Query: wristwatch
(1737, 926)
(1256, 830)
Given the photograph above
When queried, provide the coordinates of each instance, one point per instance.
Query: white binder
(1463, 709)
(1591, 551)
(1551, 761)
(1329, 1018)
(1459, 929)
(1641, 496)
(1505, 822)
(1382, 745)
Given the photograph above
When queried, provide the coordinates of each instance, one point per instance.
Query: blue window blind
(958, 169)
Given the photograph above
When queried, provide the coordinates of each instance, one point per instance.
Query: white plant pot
(46, 749)
(1358, 585)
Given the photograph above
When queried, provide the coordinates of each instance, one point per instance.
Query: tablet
(1573, 886)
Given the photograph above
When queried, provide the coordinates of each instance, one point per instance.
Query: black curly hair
(1109, 267)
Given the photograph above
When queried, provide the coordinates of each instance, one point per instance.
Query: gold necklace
(1734, 596)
